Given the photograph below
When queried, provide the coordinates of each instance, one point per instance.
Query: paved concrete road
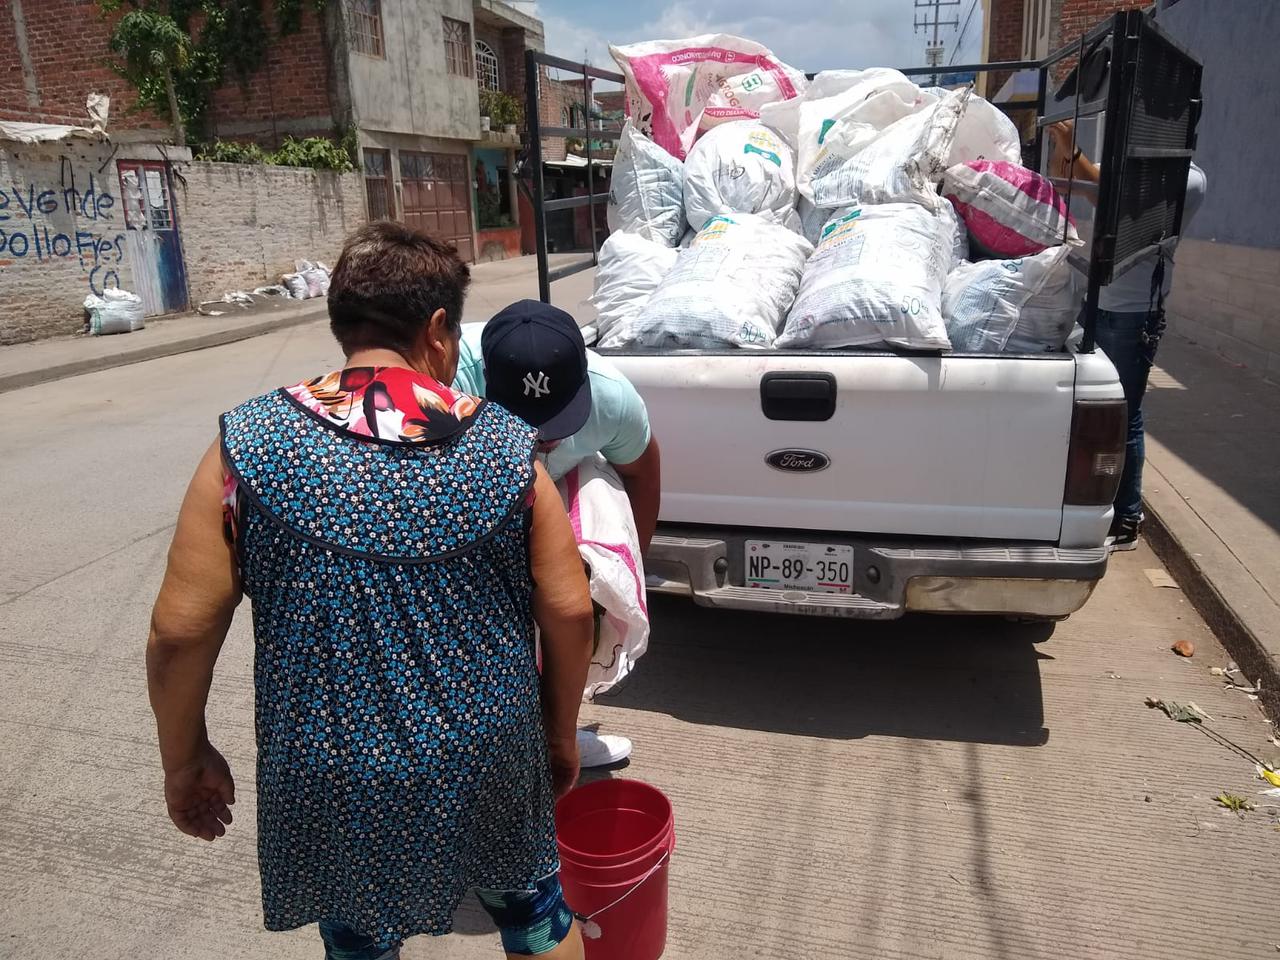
(931, 788)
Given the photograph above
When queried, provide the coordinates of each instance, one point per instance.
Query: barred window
(377, 183)
(487, 67)
(457, 46)
(366, 27)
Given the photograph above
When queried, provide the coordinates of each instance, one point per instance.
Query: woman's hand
(562, 755)
(1061, 135)
(199, 795)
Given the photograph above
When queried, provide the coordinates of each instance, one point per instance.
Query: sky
(811, 35)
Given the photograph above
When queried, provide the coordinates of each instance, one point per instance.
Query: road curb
(1188, 547)
(218, 338)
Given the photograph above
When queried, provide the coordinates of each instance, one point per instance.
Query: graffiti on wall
(30, 215)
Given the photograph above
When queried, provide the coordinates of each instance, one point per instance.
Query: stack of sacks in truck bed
(855, 210)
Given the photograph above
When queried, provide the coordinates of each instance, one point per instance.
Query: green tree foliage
(176, 53)
(154, 49)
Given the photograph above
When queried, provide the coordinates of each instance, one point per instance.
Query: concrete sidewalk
(26, 364)
(493, 286)
(1212, 490)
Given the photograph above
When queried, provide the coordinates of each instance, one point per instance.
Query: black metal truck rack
(1128, 72)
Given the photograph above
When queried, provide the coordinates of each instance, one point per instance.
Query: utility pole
(933, 52)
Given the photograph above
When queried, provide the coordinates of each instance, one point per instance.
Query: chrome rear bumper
(1035, 580)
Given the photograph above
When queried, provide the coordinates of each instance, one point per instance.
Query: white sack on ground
(1048, 319)
(732, 286)
(982, 301)
(631, 266)
(116, 311)
(646, 193)
(678, 89)
(876, 277)
(741, 167)
(605, 529)
(896, 164)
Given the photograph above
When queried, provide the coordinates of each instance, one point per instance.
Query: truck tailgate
(954, 446)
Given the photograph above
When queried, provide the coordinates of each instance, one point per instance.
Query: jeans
(1130, 340)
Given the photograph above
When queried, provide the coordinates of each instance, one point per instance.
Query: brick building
(52, 55)
(406, 76)
(80, 212)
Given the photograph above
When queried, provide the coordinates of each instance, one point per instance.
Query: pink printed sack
(605, 529)
(1010, 211)
(679, 89)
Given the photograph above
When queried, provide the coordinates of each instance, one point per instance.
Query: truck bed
(967, 447)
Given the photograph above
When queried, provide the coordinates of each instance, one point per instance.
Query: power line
(960, 39)
(933, 51)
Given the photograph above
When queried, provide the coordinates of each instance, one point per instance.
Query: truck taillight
(1096, 458)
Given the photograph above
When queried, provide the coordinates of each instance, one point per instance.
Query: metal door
(155, 249)
(436, 197)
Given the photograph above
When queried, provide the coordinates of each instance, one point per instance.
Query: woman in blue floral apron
(398, 542)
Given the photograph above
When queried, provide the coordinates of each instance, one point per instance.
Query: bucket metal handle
(590, 929)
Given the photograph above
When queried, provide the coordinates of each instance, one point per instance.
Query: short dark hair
(388, 282)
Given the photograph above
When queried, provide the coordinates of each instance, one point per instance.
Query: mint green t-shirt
(617, 428)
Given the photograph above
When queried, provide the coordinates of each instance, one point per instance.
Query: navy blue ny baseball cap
(535, 365)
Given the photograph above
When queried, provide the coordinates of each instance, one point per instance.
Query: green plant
(176, 67)
(320, 153)
(350, 142)
(1237, 805)
(154, 49)
(228, 151)
(501, 108)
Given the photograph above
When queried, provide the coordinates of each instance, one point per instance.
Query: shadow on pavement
(931, 678)
(1220, 420)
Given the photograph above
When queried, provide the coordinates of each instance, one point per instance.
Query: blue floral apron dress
(401, 756)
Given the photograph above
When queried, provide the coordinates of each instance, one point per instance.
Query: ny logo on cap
(539, 386)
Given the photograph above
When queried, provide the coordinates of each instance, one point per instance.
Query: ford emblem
(798, 461)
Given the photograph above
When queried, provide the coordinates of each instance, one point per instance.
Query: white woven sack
(732, 286)
(985, 132)
(840, 113)
(809, 220)
(959, 234)
(898, 163)
(875, 278)
(982, 301)
(631, 266)
(646, 192)
(605, 529)
(1047, 319)
(740, 167)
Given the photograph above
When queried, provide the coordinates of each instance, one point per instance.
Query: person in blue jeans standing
(1130, 324)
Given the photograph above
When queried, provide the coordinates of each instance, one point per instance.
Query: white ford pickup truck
(863, 484)
(870, 484)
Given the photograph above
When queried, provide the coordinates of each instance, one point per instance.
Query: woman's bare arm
(562, 609)
(189, 623)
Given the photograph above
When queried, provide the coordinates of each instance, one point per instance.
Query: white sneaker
(598, 751)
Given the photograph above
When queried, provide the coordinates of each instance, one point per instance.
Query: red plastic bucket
(616, 838)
